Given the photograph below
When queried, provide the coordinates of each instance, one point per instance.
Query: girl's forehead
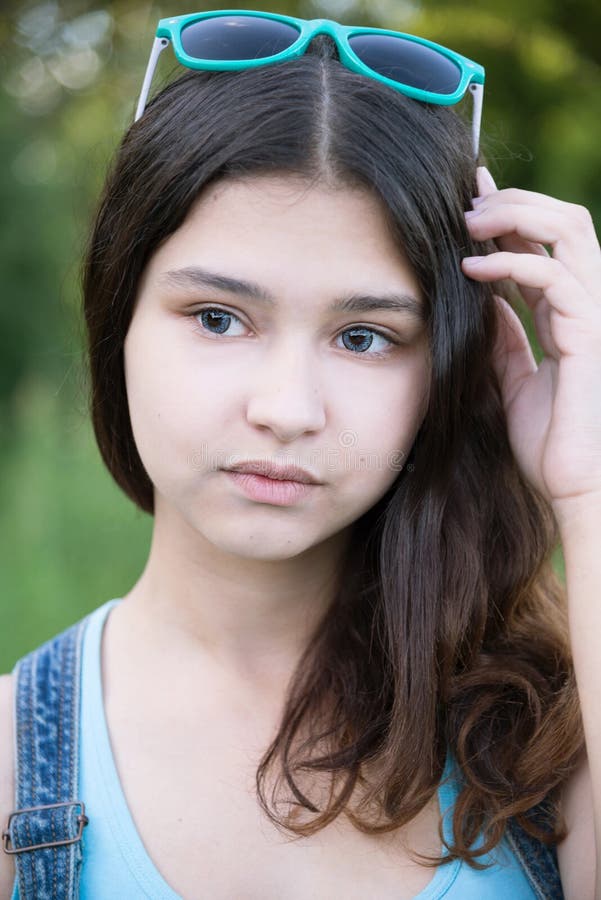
(272, 225)
(279, 198)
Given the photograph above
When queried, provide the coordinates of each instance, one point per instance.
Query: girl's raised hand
(553, 409)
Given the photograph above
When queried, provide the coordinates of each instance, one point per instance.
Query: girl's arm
(576, 853)
(579, 521)
(553, 413)
(7, 789)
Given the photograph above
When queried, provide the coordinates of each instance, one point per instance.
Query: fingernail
(486, 180)
(477, 200)
(471, 213)
(473, 260)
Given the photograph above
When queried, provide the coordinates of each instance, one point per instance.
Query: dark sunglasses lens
(407, 62)
(237, 38)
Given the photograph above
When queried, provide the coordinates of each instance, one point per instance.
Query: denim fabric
(47, 728)
(538, 861)
(47, 710)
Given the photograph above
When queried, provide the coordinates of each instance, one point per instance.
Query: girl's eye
(357, 340)
(213, 317)
(358, 343)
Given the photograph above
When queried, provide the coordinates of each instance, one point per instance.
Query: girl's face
(276, 356)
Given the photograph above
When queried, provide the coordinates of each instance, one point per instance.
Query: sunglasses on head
(234, 39)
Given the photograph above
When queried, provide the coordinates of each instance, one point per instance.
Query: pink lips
(270, 490)
(279, 485)
(273, 470)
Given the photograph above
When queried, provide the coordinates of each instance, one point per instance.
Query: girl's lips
(274, 470)
(270, 490)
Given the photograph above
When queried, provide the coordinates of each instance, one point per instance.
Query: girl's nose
(286, 397)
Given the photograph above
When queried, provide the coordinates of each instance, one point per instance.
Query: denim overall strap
(45, 831)
(538, 860)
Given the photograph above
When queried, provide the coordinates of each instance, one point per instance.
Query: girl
(347, 668)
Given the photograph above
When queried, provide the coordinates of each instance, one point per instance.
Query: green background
(70, 76)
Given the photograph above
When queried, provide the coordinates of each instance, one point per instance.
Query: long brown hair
(449, 629)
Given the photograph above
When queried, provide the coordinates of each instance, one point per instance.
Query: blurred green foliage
(70, 76)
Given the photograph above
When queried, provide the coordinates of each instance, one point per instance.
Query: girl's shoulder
(7, 778)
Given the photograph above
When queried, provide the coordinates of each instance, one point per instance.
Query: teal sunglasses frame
(169, 31)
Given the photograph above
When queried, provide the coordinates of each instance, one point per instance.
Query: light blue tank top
(116, 864)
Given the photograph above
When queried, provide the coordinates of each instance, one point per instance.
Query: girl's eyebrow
(195, 276)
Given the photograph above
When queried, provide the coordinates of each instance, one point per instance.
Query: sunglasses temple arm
(157, 48)
(477, 92)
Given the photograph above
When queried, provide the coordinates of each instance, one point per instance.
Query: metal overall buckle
(82, 819)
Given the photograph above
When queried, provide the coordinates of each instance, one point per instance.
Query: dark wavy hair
(448, 628)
